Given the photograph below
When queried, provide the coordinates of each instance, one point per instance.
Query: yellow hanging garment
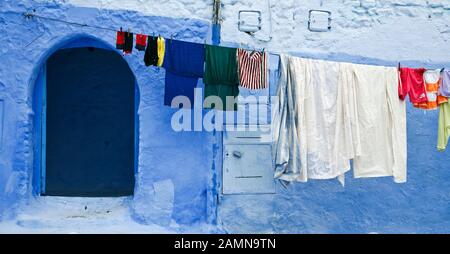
(161, 50)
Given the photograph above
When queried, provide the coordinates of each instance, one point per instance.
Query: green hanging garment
(444, 126)
(221, 76)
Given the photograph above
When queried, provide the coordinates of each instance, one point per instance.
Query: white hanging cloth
(286, 143)
(328, 113)
(310, 122)
(381, 118)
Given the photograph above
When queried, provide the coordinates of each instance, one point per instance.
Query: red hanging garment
(412, 83)
(141, 41)
(120, 40)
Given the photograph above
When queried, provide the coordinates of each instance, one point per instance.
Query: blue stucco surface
(365, 205)
(179, 173)
(166, 158)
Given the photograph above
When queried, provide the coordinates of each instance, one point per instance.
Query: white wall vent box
(247, 163)
(319, 21)
(249, 21)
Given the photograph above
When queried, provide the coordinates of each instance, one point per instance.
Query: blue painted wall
(371, 205)
(179, 173)
(164, 191)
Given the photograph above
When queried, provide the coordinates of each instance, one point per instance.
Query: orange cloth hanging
(432, 80)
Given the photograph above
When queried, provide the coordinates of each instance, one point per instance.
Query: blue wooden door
(88, 124)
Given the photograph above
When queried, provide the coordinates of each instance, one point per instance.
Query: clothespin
(121, 29)
(398, 66)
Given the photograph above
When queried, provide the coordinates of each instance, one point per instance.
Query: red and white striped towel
(252, 67)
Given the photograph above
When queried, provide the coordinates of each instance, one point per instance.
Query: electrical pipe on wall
(216, 23)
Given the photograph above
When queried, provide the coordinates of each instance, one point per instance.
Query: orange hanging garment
(432, 80)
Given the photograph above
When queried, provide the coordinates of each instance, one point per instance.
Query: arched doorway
(85, 104)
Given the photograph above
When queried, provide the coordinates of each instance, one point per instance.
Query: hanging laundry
(221, 75)
(329, 113)
(312, 124)
(348, 94)
(252, 67)
(184, 63)
(161, 42)
(444, 88)
(444, 126)
(381, 122)
(285, 127)
(128, 46)
(120, 40)
(273, 66)
(412, 84)
(141, 42)
(151, 52)
(432, 81)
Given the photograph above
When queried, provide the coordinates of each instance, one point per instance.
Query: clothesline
(369, 131)
(32, 14)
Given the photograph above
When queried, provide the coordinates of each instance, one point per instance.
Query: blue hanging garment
(184, 63)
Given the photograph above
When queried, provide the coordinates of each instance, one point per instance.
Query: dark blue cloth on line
(184, 58)
(184, 64)
(179, 85)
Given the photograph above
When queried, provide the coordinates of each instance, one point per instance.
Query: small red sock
(141, 41)
(120, 40)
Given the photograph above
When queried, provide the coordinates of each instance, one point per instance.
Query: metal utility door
(247, 163)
